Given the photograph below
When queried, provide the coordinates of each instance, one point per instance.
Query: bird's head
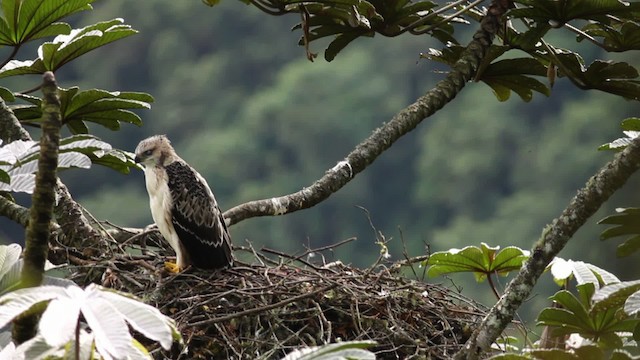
(154, 151)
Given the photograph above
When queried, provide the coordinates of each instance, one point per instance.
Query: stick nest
(264, 308)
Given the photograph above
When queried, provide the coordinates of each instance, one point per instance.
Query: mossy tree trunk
(43, 201)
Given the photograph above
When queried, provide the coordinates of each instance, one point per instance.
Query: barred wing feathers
(197, 219)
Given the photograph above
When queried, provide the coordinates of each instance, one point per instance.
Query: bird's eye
(148, 152)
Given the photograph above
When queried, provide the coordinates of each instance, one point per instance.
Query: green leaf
(554, 354)
(342, 350)
(33, 19)
(574, 305)
(108, 313)
(482, 261)
(572, 314)
(560, 12)
(17, 67)
(211, 2)
(631, 124)
(106, 108)
(628, 223)
(528, 41)
(614, 296)
(616, 38)
(339, 43)
(591, 352)
(608, 76)
(80, 151)
(583, 272)
(6, 94)
(65, 48)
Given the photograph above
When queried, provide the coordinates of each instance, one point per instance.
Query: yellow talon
(171, 267)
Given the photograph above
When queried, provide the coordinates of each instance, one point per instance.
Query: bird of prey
(183, 207)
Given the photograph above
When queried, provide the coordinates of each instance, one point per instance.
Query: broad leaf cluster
(482, 261)
(107, 313)
(598, 318)
(19, 160)
(24, 21)
(611, 25)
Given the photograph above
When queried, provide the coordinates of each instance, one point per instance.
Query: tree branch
(13, 211)
(43, 200)
(10, 128)
(382, 138)
(553, 239)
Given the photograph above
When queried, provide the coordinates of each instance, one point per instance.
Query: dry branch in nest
(262, 309)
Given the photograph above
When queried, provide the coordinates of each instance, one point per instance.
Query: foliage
(24, 21)
(592, 321)
(614, 295)
(564, 270)
(65, 48)
(347, 20)
(626, 222)
(482, 261)
(97, 106)
(503, 76)
(11, 265)
(339, 351)
(19, 160)
(578, 315)
(631, 128)
(108, 313)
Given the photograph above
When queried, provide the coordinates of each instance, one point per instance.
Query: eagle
(183, 207)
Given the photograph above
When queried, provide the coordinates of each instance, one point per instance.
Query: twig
(263, 308)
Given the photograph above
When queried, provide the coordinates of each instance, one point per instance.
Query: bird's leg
(171, 267)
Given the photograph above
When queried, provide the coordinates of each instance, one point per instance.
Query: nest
(264, 308)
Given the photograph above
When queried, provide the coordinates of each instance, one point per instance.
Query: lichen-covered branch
(43, 200)
(553, 239)
(10, 128)
(13, 211)
(76, 229)
(382, 138)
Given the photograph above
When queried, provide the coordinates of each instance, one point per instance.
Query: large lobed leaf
(106, 312)
(347, 20)
(106, 108)
(576, 314)
(627, 223)
(631, 128)
(560, 12)
(338, 351)
(79, 151)
(563, 270)
(503, 76)
(618, 78)
(26, 20)
(615, 295)
(481, 261)
(65, 48)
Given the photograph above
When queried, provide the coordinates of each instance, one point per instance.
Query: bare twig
(279, 304)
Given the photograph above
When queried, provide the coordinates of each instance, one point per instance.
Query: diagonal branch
(382, 138)
(554, 238)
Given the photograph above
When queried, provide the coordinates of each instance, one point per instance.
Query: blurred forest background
(243, 105)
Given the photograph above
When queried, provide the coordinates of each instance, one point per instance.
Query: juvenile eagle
(183, 207)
